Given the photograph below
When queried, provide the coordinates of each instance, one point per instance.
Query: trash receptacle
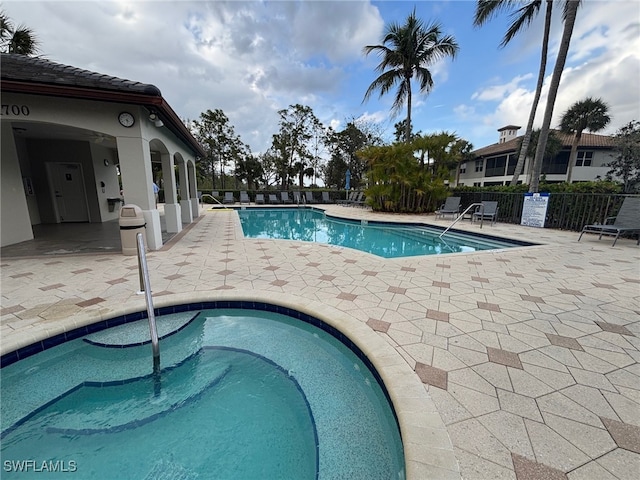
(131, 223)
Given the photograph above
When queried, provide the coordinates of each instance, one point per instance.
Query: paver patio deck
(530, 355)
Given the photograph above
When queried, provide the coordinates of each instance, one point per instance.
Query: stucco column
(193, 189)
(185, 202)
(172, 209)
(137, 184)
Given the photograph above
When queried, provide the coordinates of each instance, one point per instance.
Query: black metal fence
(566, 211)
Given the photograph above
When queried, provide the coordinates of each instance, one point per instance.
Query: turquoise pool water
(242, 394)
(384, 240)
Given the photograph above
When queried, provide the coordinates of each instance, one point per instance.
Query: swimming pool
(258, 394)
(382, 239)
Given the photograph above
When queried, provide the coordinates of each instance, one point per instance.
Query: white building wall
(106, 180)
(15, 225)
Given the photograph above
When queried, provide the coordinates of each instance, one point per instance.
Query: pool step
(119, 406)
(166, 470)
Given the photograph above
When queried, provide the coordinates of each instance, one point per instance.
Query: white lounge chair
(488, 211)
(228, 198)
(451, 206)
(627, 220)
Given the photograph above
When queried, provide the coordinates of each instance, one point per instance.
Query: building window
(463, 168)
(584, 159)
(479, 165)
(495, 166)
(556, 165)
(477, 184)
(511, 166)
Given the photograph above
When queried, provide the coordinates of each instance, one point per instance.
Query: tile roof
(589, 140)
(42, 71)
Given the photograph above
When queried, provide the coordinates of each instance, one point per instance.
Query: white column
(172, 209)
(193, 189)
(185, 203)
(137, 184)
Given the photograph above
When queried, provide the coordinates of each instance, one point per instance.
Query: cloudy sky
(251, 59)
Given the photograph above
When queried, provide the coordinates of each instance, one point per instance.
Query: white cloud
(499, 92)
(374, 117)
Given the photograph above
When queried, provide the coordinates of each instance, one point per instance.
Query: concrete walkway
(530, 355)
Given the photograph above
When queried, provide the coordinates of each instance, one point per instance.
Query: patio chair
(259, 198)
(297, 197)
(284, 197)
(273, 199)
(325, 197)
(309, 197)
(244, 198)
(228, 198)
(490, 212)
(451, 206)
(627, 220)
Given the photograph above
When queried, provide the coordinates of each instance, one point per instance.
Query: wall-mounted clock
(126, 119)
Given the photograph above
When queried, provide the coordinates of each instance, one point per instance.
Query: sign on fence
(534, 209)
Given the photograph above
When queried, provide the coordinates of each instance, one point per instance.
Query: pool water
(242, 394)
(384, 240)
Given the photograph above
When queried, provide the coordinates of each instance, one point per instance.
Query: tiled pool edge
(428, 450)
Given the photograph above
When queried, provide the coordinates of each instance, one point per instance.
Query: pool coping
(428, 450)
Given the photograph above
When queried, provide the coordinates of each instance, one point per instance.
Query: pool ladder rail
(145, 288)
(224, 207)
(466, 210)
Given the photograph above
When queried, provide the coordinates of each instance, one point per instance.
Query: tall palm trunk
(569, 22)
(534, 106)
(407, 133)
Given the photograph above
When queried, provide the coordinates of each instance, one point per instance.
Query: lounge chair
(297, 198)
(361, 201)
(357, 200)
(490, 212)
(244, 198)
(451, 206)
(351, 196)
(308, 196)
(228, 198)
(325, 197)
(273, 199)
(627, 220)
(259, 198)
(284, 197)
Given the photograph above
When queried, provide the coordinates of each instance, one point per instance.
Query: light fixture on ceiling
(153, 116)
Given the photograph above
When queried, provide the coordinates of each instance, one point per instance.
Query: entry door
(67, 185)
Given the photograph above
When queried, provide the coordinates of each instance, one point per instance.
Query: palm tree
(485, 9)
(570, 12)
(589, 114)
(408, 50)
(20, 40)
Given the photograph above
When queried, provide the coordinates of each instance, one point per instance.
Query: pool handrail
(479, 204)
(144, 278)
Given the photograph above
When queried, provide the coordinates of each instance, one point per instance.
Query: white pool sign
(534, 209)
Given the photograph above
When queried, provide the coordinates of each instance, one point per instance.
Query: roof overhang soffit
(150, 101)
